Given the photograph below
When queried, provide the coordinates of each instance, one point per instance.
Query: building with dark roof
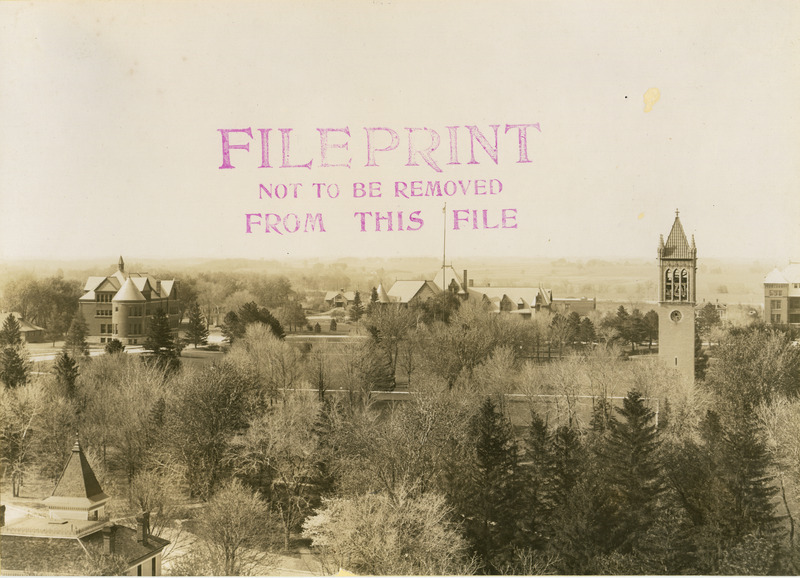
(75, 538)
(121, 306)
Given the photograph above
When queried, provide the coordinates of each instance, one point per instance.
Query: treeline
(615, 467)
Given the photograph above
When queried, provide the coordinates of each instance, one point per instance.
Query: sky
(114, 116)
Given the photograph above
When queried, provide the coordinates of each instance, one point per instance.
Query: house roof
(445, 276)
(775, 276)
(77, 486)
(348, 295)
(790, 274)
(60, 556)
(405, 291)
(24, 326)
(129, 292)
(677, 247)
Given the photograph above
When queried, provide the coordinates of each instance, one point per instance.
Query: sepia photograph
(393, 287)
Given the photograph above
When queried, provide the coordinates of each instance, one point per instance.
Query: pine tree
(114, 346)
(491, 504)
(747, 462)
(634, 473)
(197, 331)
(13, 368)
(10, 335)
(66, 372)
(161, 342)
(75, 341)
(357, 308)
(538, 473)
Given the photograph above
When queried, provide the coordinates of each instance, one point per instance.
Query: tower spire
(121, 264)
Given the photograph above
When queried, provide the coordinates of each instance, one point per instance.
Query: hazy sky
(110, 118)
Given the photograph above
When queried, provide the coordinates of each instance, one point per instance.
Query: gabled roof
(405, 291)
(166, 287)
(775, 276)
(23, 325)
(109, 284)
(93, 283)
(129, 292)
(77, 486)
(446, 276)
(142, 283)
(677, 247)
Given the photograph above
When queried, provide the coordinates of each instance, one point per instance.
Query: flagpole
(444, 247)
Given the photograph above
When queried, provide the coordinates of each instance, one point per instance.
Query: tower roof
(677, 247)
(129, 292)
(77, 486)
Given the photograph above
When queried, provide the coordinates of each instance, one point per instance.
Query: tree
(707, 318)
(10, 335)
(651, 327)
(293, 316)
(161, 341)
(66, 372)
(634, 474)
(283, 466)
(13, 368)
(333, 325)
(357, 308)
(210, 408)
(114, 346)
(487, 499)
(755, 365)
(373, 534)
(75, 341)
(232, 327)
(235, 529)
(197, 331)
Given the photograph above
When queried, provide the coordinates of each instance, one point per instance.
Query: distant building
(677, 265)
(340, 298)
(782, 295)
(76, 538)
(121, 306)
(29, 332)
(522, 301)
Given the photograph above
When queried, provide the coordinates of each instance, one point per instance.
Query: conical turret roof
(78, 486)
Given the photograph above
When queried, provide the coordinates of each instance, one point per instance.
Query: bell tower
(677, 266)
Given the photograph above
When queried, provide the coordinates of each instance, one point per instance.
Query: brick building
(121, 306)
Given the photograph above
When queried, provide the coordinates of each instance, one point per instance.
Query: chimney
(2, 515)
(143, 527)
(110, 539)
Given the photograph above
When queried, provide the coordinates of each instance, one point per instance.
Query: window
(153, 566)
(775, 304)
(775, 293)
(104, 297)
(794, 318)
(139, 570)
(794, 302)
(776, 317)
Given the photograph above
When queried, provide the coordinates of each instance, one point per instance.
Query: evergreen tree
(537, 473)
(13, 367)
(357, 308)
(490, 505)
(232, 327)
(747, 464)
(161, 342)
(75, 341)
(634, 474)
(197, 331)
(66, 371)
(373, 296)
(252, 313)
(10, 335)
(114, 346)
(587, 331)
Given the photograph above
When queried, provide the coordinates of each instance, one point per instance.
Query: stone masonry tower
(677, 265)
